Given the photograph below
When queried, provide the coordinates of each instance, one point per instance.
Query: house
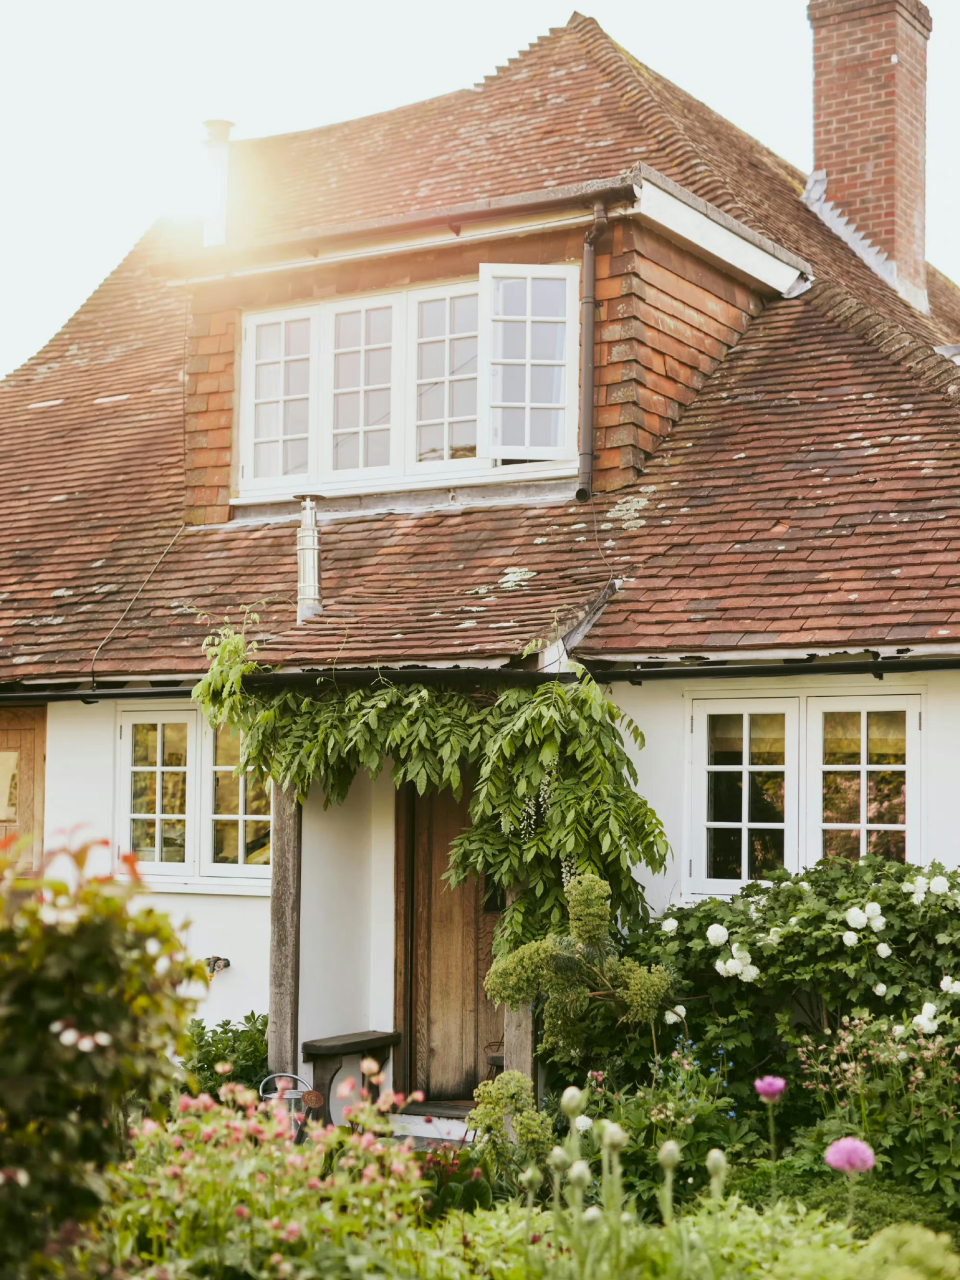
(563, 355)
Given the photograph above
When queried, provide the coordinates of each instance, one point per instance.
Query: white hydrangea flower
(928, 1010)
(802, 884)
(908, 886)
(793, 920)
(583, 1124)
(734, 967)
(850, 939)
(883, 950)
(774, 936)
(917, 899)
(717, 935)
(946, 983)
(750, 973)
(680, 1010)
(669, 925)
(856, 918)
(741, 952)
(880, 989)
(721, 968)
(670, 1017)
(898, 1031)
(955, 989)
(927, 1025)
(939, 884)
(921, 884)
(872, 909)
(878, 923)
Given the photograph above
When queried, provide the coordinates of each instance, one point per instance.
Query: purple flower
(770, 1087)
(849, 1155)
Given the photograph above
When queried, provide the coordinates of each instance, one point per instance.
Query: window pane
(723, 853)
(430, 443)
(9, 761)
(376, 447)
(379, 325)
(346, 410)
(510, 340)
(509, 297)
(226, 746)
(257, 843)
(433, 318)
(143, 839)
(268, 341)
(548, 297)
(463, 440)
(294, 457)
(378, 367)
(430, 401)
(841, 797)
(266, 422)
(226, 793)
(296, 377)
(173, 840)
(546, 384)
(226, 842)
(346, 370)
(266, 460)
(463, 355)
(510, 383)
(545, 427)
(257, 799)
(512, 425)
(765, 853)
(297, 337)
(547, 341)
(725, 797)
(463, 314)
(144, 744)
(347, 330)
(767, 739)
(376, 408)
(143, 792)
(886, 798)
(346, 451)
(886, 737)
(725, 739)
(463, 398)
(175, 745)
(295, 417)
(268, 381)
(174, 792)
(766, 796)
(841, 737)
(888, 844)
(842, 844)
(430, 360)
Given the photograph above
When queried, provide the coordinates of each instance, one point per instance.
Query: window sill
(207, 885)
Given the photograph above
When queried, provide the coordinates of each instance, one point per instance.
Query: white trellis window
(281, 376)
(240, 818)
(158, 788)
(361, 401)
(445, 374)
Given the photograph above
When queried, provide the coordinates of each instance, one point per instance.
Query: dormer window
(413, 388)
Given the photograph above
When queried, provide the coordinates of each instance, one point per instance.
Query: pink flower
(849, 1155)
(346, 1087)
(149, 1126)
(314, 1184)
(417, 1095)
(205, 1102)
(770, 1087)
(242, 1211)
(293, 1231)
(176, 1142)
(185, 1103)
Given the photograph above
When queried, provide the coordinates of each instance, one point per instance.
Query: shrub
(241, 1045)
(508, 1128)
(90, 1013)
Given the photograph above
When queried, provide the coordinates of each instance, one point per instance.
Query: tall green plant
(554, 788)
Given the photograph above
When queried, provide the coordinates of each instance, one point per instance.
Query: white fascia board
(694, 658)
(680, 220)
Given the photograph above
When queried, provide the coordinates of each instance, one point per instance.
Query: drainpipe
(218, 175)
(309, 604)
(588, 303)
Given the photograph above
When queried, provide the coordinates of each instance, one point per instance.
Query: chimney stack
(218, 174)
(869, 112)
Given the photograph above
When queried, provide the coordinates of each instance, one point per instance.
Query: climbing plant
(553, 787)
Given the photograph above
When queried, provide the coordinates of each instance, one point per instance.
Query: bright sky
(101, 104)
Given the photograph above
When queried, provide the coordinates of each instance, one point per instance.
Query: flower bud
(716, 1163)
(593, 1214)
(571, 1101)
(613, 1136)
(558, 1160)
(580, 1175)
(530, 1178)
(669, 1155)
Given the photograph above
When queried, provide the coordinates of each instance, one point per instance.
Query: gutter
(588, 318)
(720, 671)
(430, 676)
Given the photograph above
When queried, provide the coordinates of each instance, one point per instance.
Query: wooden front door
(21, 773)
(453, 1026)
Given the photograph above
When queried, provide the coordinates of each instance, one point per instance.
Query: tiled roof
(574, 107)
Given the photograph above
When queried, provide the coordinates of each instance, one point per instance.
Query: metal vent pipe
(309, 604)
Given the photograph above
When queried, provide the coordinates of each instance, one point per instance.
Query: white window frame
(404, 471)
(698, 882)
(151, 715)
(912, 705)
(223, 870)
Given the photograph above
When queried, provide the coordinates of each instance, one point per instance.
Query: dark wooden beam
(283, 1041)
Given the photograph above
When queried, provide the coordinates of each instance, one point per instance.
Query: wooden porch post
(518, 1042)
(283, 1047)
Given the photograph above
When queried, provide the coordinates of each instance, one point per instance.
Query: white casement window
(183, 810)
(862, 757)
(758, 803)
(393, 390)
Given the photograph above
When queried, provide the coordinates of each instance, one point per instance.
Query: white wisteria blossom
(883, 950)
(856, 918)
(669, 925)
(939, 885)
(872, 909)
(717, 935)
(878, 923)
(850, 939)
(880, 989)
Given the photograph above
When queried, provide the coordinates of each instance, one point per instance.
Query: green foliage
(89, 1013)
(553, 786)
(242, 1046)
(508, 1128)
(457, 1180)
(577, 973)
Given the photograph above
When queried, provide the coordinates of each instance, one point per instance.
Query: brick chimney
(869, 113)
